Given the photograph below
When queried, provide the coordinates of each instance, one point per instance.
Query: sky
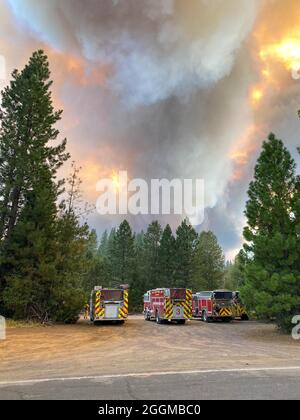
(166, 89)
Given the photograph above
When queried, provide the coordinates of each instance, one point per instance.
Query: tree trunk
(16, 193)
(4, 215)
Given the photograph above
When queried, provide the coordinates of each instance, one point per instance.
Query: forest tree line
(50, 260)
(157, 258)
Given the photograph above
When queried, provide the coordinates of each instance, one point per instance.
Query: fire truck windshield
(112, 295)
(223, 295)
(177, 294)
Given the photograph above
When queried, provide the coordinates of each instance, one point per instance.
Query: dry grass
(10, 323)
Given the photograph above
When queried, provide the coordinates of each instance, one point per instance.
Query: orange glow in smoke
(266, 73)
(242, 151)
(276, 55)
(256, 95)
(287, 51)
(116, 180)
(77, 69)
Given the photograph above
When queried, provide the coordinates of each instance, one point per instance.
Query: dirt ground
(140, 346)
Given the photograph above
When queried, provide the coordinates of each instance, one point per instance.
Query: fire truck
(109, 304)
(238, 308)
(166, 305)
(213, 305)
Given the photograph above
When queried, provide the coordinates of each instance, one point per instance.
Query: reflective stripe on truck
(123, 311)
(99, 312)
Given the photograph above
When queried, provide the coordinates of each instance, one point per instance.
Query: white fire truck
(166, 305)
(109, 304)
(213, 305)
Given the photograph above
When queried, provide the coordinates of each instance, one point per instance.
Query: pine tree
(27, 127)
(110, 242)
(139, 240)
(31, 254)
(150, 258)
(122, 255)
(139, 255)
(103, 247)
(98, 271)
(234, 273)
(185, 247)
(77, 254)
(72, 264)
(272, 269)
(137, 287)
(209, 263)
(44, 248)
(166, 257)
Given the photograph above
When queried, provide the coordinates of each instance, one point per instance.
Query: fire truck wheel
(205, 318)
(226, 319)
(158, 319)
(244, 317)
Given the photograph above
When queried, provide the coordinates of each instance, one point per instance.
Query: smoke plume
(161, 89)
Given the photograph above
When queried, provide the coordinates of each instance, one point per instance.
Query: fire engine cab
(166, 305)
(213, 305)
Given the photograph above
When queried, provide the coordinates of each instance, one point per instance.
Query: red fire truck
(109, 304)
(166, 305)
(216, 304)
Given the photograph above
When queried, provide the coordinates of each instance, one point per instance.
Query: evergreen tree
(122, 255)
(46, 258)
(185, 247)
(150, 258)
(228, 280)
(166, 257)
(110, 242)
(209, 263)
(72, 265)
(92, 245)
(77, 250)
(103, 247)
(139, 255)
(30, 264)
(272, 269)
(139, 241)
(27, 128)
(97, 269)
(234, 273)
(137, 286)
(27, 158)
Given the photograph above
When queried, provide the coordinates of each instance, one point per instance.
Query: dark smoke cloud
(157, 48)
(174, 100)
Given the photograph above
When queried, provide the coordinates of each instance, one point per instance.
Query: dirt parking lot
(140, 347)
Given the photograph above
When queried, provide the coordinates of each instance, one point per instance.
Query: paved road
(239, 384)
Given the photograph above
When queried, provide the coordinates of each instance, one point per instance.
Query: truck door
(111, 310)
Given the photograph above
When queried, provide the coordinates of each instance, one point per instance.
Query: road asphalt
(203, 385)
